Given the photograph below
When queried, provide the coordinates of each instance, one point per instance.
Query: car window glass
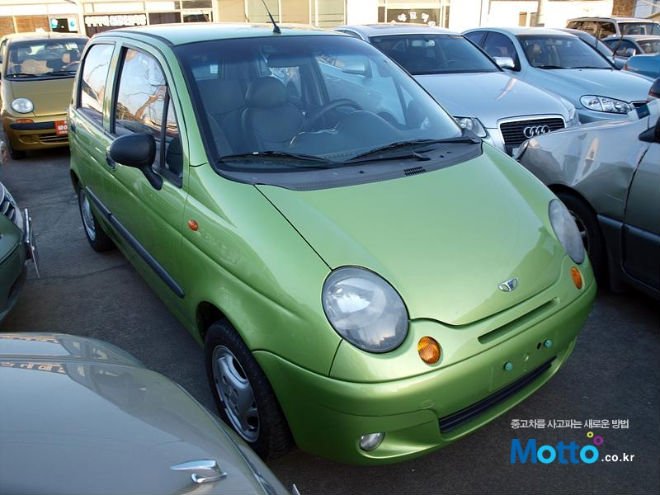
(55, 57)
(650, 46)
(560, 52)
(434, 54)
(640, 28)
(143, 105)
(475, 37)
(498, 45)
(93, 81)
(331, 97)
(606, 29)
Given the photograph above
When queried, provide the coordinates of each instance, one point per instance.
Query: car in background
(16, 247)
(502, 110)
(36, 79)
(562, 64)
(285, 215)
(602, 27)
(646, 65)
(608, 175)
(627, 46)
(597, 45)
(82, 416)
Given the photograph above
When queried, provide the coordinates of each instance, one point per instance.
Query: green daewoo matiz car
(369, 281)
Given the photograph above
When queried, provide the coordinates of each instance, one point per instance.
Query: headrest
(266, 92)
(220, 96)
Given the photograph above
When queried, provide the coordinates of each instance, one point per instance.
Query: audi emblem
(535, 130)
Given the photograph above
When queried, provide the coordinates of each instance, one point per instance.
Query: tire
(242, 393)
(95, 234)
(14, 154)
(592, 237)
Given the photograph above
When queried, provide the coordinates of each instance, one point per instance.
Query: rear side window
(93, 81)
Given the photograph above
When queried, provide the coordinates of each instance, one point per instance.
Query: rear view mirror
(137, 151)
(652, 134)
(358, 68)
(505, 62)
(629, 52)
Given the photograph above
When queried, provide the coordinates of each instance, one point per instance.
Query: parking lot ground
(612, 379)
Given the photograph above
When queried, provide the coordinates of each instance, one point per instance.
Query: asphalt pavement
(607, 395)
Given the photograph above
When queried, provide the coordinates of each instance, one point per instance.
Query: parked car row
(369, 279)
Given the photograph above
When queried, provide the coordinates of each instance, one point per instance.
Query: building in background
(92, 16)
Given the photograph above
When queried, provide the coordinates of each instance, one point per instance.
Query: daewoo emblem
(535, 130)
(509, 285)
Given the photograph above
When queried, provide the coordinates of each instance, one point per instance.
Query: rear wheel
(95, 234)
(244, 397)
(587, 224)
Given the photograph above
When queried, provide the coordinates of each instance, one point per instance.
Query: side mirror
(137, 151)
(505, 62)
(654, 92)
(652, 134)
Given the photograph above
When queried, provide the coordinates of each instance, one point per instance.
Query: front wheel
(244, 397)
(95, 234)
(587, 225)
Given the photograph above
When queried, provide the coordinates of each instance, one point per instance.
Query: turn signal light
(24, 121)
(577, 277)
(429, 350)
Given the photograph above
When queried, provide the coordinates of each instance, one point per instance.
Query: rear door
(88, 136)
(641, 249)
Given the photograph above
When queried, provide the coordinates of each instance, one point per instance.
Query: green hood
(444, 239)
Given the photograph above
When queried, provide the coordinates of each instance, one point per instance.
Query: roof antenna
(276, 28)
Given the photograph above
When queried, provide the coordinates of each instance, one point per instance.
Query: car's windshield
(650, 46)
(560, 52)
(639, 28)
(434, 53)
(57, 57)
(305, 101)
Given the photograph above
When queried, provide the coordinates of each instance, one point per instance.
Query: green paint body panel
(444, 239)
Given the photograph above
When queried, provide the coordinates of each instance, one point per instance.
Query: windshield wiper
(590, 67)
(551, 67)
(21, 74)
(60, 73)
(384, 151)
(304, 161)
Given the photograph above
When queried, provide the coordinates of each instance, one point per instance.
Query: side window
(498, 45)
(606, 29)
(143, 104)
(93, 81)
(475, 37)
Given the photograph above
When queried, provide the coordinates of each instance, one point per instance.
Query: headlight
(22, 105)
(566, 231)
(604, 104)
(364, 309)
(472, 124)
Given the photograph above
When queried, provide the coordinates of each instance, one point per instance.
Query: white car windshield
(561, 52)
(305, 101)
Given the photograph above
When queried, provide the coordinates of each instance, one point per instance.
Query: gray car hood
(490, 96)
(80, 416)
(574, 83)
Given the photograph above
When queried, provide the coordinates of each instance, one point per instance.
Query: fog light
(371, 441)
(429, 350)
(577, 277)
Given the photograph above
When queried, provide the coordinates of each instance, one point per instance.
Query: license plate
(61, 127)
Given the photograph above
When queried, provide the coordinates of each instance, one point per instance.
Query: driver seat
(270, 120)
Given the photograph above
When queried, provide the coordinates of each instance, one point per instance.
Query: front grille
(7, 205)
(53, 138)
(461, 417)
(514, 132)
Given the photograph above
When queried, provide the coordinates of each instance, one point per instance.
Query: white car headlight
(566, 230)
(472, 124)
(605, 104)
(364, 309)
(22, 105)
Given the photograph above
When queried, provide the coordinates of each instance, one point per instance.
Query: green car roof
(180, 34)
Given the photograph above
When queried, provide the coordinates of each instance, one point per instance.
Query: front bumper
(422, 413)
(42, 133)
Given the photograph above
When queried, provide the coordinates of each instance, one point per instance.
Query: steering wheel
(331, 105)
